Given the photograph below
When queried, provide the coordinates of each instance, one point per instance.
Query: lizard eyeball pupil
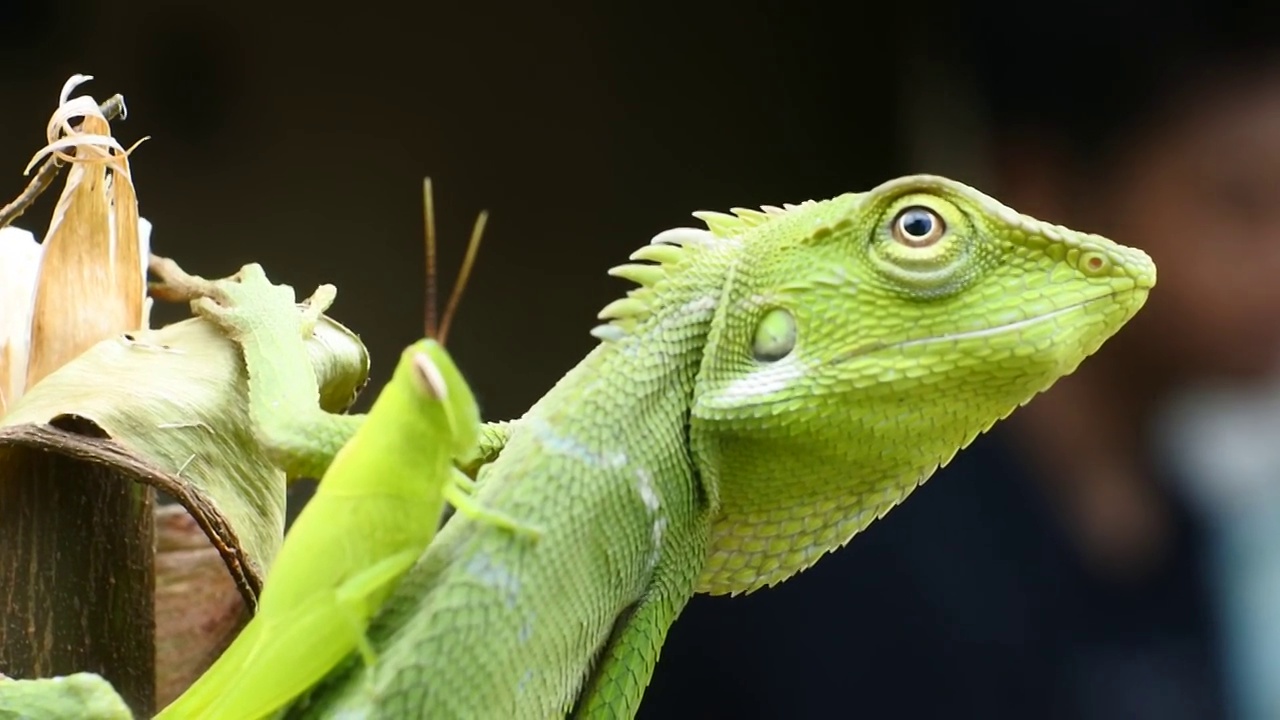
(775, 336)
(918, 227)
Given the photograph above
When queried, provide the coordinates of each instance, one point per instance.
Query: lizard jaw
(995, 330)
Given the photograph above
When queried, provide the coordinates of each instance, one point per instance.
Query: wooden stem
(77, 573)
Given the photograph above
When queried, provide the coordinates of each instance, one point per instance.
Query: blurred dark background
(1104, 554)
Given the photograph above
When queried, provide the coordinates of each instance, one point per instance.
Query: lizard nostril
(1094, 263)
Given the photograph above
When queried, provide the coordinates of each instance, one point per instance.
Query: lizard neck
(634, 391)
(607, 447)
(613, 434)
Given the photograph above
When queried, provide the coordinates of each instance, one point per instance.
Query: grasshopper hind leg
(458, 492)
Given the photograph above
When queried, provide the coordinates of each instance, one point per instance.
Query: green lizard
(773, 384)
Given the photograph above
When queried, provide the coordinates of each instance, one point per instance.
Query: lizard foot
(226, 302)
(236, 303)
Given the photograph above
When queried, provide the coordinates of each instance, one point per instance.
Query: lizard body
(773, 384)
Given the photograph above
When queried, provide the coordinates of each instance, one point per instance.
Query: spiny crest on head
(667, 248)
(437, 328)
(727, 225)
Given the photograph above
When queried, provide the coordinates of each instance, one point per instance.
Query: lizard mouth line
(975, 334)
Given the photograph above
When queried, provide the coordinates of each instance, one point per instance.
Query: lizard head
(860, 342)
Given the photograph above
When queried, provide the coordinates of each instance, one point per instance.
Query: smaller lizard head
(862, 341)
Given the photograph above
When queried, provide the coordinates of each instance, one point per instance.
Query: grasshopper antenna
(437, 326)
(464, 273)
(429, 220)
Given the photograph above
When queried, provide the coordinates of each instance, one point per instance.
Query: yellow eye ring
(918, 227)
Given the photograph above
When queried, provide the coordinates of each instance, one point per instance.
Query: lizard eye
(924, 245)
(918, 227)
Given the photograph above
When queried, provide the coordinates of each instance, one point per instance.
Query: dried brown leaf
(92, 282)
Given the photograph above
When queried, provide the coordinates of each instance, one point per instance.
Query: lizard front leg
(493, 438)
(626, 661)
(626, 665)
